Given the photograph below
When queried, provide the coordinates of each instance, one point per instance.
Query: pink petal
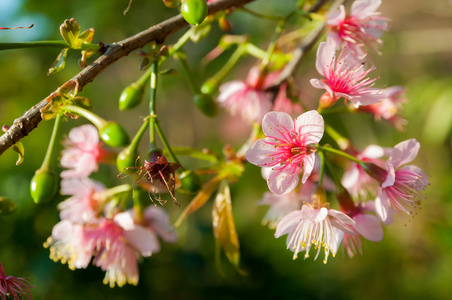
(350, 177)
(325, 54)
(229, 88)
(158, 220)
(390, 177)
(382, 205)
(309, 163)
(369, 227)
(404, 152)
(282, 183)
(142, 240)
(313, 215)
(363, 7)
(336, 17)
(260, 153)
(311, 125)
(277, 124)
(288, 222)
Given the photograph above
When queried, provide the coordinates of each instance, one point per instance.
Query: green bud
(131, 96)
(114, 135)
(206, 104)
(43, 186)
(7, 206)
(194, 11)
(125, 159)
(190, 181)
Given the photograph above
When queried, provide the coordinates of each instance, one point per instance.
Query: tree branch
(23, 125)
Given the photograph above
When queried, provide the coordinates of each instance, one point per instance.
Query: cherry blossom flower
(86, 200)
(399, 186)
(247, 99)
(357, 182)
(345, 76)
(13, 287)
(388, 107)
(115, 244)
(83, 152)
(286, 148)
(314, 227)
(362, 27)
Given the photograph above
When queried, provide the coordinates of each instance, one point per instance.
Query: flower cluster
(94, 225)
(377, 178)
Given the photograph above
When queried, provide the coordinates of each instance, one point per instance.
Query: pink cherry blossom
(247, 99)
(13, 287)
(357, 182)
(116, 244)
(86, 201)
(82, 152)
(362, 27)
(388, 107)
(345, 76)
(314, 227)
(286, 148)
(400, 187)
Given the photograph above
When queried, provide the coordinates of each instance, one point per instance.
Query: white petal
(278, 125)
(404, 152)
(287, 223)
(282, 183)
(311, 126)
(309, 163)
(361, 8)
(260, 153)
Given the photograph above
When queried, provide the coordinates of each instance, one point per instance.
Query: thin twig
(23, 125)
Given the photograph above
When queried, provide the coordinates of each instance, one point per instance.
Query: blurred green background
(414, 260)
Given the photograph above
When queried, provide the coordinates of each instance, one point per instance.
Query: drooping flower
(358, 183)
(400, 187)
(286, 148)
(86, 200)
(115, 243)
(345, 76)
(83, 152)
(362, 27)
(13, 287)
(388, 107)
(314, 227)
(366, 226)
(247, 99)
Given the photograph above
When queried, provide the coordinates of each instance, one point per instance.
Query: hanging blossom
(247, 99)
(83, 152)
(388, 107)
(13, 287)
(116, 244)
(400, 187)
(314, 227)
(366, 226)
(345, 76)
(286, 148)
(362, 27)
(357, 182)
(86, 201)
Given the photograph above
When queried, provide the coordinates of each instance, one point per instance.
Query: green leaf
(19, 148)
(59, 63)
(224, 226)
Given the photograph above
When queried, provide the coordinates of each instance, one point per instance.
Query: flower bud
(125, 159)
(206, 104)
(113, 134)
(224, 24)
(194, 11)
(131, 96)
(209, 87)
(190, 182)
(7, 206)
(43, 186)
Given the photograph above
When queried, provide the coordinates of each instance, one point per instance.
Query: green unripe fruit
(125, 159)
(190, 181)
(194, 11)
(7, 206)
(114, 135)
(131, 96)
(209, 87)
(206, 105)
(43, 186)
